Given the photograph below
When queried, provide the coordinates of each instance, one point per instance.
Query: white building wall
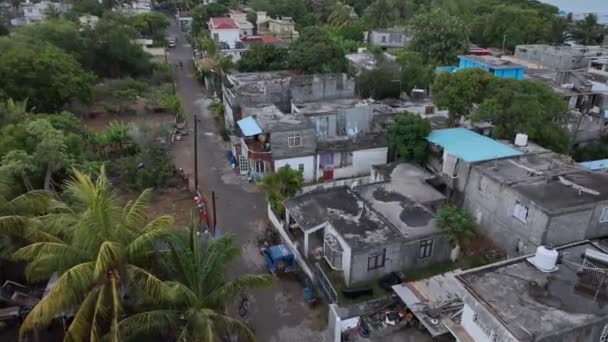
(346, 251)
(294, 163)
(362, 162)
(228, 36)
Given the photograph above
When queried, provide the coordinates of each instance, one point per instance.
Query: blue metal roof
(249, 126)
(595, 164)
(470, 146)
(278, 252)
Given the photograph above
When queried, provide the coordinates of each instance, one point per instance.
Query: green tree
(98, 249)
(45, 75)
(529, 107)
(62, 33)
(588, 31)
(195, 308)
(508, 24)
(556, 31)
(380, 82)
(281, 185)
(263, 57)
(150, 24)
(439, 36)
(591, 152)
(315, 52)
(380, 14)
(407, 137)
(282, 8)
(202, 13)
(458, 223)
(3, 30)
(414, 73)
(158, 168)
(460, 91)
(340, 15)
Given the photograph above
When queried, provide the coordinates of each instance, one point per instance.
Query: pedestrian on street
(181, 66)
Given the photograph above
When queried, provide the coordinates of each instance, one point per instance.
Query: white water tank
(521, 139)
(545, 258)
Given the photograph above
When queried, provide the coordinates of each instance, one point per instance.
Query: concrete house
(255, 89)
(367, 230)
(387, 38)
(224, 31)
(514, 301)
(521, 199)
(345, 146)
(240, 18)
(30, 12)
(541, 56)
(281, 27)
(270, 139)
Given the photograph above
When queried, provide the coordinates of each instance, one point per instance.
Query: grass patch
(464, 262)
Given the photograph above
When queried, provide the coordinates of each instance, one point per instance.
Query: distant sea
(581, 7)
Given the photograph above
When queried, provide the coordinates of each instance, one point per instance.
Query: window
(332, 252)
(294, 139)
(520, 212)
(259, 166)
(376, 260)
(216, 37)
(483, 185)
(301, 168)
(604, 217)
(243, 163)
(426, 249)
(384, 39)
(604, 335)
(346, 159)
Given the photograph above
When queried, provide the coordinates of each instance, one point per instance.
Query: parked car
(171, 43)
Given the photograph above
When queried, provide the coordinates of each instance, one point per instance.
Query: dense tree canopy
(406, 137)
(458, 92)
(439, 36)
(43, 74)
(381, 82)
(201, 14)
(414, 72)
(263, 57)
(588, 31)
(316, 52)
(150, 24)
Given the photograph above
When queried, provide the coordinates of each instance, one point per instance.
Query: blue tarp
(595, 164)
(249, 126)
(470, 146)
(278, 252)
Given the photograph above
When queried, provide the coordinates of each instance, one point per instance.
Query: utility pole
(214, 213)
(195, 152)
(504, 41)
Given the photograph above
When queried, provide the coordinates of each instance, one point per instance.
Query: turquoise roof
(595, 164)
(249, 126)
(470, 146)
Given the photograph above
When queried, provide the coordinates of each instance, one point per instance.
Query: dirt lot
(152, 121)
(172, 201)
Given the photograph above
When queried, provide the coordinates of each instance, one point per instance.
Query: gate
(323, 284)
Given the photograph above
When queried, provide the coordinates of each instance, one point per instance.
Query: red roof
(265, 39)
(222, 23)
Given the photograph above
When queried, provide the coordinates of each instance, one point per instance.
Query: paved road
(276, 314)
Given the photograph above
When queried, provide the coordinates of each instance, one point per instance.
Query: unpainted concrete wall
(494, 212)
(589, 333)
(281, 149)
(399, 257)
(307, 88)
(484, 318)
(596, 228)
(568, 227)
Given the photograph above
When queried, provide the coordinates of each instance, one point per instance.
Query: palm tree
(98, 249)
(587, 31)
(195, 310)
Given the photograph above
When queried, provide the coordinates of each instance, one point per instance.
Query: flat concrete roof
(329, 106)
(350, 216)
(361, 142)
(255, 82)
(547, 181)
(271, 119)
(532, 304)
(373, 214)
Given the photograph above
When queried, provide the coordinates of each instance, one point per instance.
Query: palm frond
(151, 322)
(80, 328)
(30, 203)
(233, 326)
(230, 291)
(117, 311)
(155, 231)
(39, 249)
(69, 290)
(102, 314)
(109, 256)
(134, 213)
(145, 281)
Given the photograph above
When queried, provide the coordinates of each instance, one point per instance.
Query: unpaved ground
(154, 121)
(172, 201)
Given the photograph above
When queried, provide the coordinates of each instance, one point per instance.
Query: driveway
(276, 314)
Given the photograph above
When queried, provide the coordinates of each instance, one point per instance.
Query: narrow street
(276, 314)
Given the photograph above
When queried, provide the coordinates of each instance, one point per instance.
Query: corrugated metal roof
(470, 146)
(595, 164)
(249, 126)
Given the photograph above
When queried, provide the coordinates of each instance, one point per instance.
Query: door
(328, 174)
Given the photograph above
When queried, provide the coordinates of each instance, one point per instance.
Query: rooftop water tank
(545, 259)
(521, 139)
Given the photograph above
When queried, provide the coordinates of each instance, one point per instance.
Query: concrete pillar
(306, 244)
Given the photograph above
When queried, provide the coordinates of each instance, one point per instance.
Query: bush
(458, 223)
(157, 170)
(590, 152)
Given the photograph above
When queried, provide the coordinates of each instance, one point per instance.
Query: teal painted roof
(470, 146)
(595, 164)
(249, 126)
